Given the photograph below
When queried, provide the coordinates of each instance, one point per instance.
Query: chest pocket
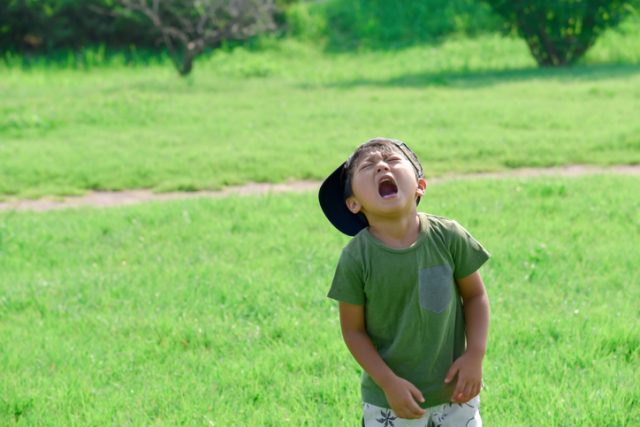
(436, 285)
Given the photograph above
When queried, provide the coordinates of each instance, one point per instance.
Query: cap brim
(331, 197)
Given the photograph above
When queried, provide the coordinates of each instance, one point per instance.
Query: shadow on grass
(483, 78)
(85, 58)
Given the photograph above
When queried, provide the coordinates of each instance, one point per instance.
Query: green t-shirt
(413, 310)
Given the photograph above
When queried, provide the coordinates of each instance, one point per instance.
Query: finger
(398, 411)
(411, 416)
(476, 390)
(412, 409)
(453, 370)
(459, 390)
(468, 391)
(406, 413)
(417, 394)
(415, 410)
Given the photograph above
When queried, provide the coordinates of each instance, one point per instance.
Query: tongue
(387, 188)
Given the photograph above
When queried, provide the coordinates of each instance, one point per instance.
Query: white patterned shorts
(447, 415)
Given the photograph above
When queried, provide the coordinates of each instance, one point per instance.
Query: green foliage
(380, 23)
(188, 28)
(559, 32)
(306, 21)
(46, 26)
(49, 25)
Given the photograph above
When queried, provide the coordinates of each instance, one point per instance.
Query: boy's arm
(401, 394)
(476, 314)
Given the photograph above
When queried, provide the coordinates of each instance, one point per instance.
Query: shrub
(50, 26)
(44, 26)
(559, 32)
(381, 23)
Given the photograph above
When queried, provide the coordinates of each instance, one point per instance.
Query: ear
(353, 205)
(422, 184)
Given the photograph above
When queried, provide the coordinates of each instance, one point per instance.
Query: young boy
(413, 308)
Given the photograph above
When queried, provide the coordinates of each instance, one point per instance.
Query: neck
(397, 233)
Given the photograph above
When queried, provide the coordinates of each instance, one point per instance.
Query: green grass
(206, 312)
(213, 312)
(291, 111)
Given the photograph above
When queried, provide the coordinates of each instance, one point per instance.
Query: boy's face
(384, 183)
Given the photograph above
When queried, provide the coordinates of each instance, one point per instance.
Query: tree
(559, 32)
(188, 27)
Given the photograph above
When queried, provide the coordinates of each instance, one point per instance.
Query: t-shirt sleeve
(347, 285)
(468, 254)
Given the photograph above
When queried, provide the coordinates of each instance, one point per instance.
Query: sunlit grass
(214, 311)
(287, 110)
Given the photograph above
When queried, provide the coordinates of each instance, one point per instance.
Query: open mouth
(387, 188)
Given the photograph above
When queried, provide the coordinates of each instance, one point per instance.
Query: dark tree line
(185, 28)
(557, 32)
(44, 26)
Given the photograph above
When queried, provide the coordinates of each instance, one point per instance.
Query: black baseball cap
(332, 191)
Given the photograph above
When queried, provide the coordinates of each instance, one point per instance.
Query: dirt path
(130, 197)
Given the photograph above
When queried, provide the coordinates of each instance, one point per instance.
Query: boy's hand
(469, 370)
(402, 396)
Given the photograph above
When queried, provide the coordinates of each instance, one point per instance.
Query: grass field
(213, 312)
(206, 312)
(291, 111)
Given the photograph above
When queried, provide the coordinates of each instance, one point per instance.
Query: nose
(382, 166)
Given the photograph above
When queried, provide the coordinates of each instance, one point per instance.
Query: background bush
(379, 23)
(45, 26)
(559, 32)
(49, 25)
(52, 26)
